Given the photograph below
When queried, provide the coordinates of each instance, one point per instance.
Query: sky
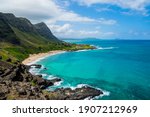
(102, 19)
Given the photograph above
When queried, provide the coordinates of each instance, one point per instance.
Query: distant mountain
(6, 32)
(44, 31)
(19, 37)
(25, 25)
(22, 24)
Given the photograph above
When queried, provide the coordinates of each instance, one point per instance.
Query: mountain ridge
(19, 38)
(43, 30)
(25, 25)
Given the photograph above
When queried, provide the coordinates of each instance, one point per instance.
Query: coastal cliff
(19, 38)
(17, 83)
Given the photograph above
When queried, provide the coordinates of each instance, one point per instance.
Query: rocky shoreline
(17, 83)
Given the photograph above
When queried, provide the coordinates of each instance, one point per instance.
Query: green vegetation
(19, 38)
(19, 53)
(33, 83)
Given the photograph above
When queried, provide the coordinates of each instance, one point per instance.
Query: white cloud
(51, 12)
(67, 31)
(60, 29)
(41, 9)
(107, 22)
(64, 3)
(104, 9)
(46, 10)
(138, 5)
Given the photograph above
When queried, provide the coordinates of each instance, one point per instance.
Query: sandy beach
(35, 57)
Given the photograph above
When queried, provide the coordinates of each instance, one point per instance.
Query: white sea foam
(51, 77)
(83, 50)
(88, 98)
(58, 83)
(98, 48)
(105, 93)
(81, 85)
(106, 48)
(35, 71)
(44, 75)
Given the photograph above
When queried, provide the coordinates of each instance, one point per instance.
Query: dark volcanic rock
(1, 72)
(45, 68)
(55, 80)
(6, 72)
(17, 83)
(39, 76)
(78, 93)
(22, 91)
(44, 83)
(40, 81)
(9, 60)
(2, 96)
(5, 65)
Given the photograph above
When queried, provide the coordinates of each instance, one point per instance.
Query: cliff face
(25, 25)
(22, 24)
(19, 37)
(17, 83)
(43, 30)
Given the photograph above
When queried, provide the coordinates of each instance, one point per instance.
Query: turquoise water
(120, 68)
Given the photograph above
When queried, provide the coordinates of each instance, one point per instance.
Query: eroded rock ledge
(17, 83)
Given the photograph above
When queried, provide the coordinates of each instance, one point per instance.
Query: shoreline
(36, 57)
(87, 92)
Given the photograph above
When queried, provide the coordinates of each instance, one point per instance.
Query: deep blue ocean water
(119, 67)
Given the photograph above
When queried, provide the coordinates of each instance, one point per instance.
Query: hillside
(19, 38)
(6, 33)
(43, 30)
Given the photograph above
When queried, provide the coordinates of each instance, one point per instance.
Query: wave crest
(106, 48)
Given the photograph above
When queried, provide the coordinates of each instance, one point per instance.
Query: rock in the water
(43, 83)
(55, 80)
(39, 76)
(77, 94)
(36, 65)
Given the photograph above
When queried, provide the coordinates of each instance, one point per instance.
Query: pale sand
(35, 57)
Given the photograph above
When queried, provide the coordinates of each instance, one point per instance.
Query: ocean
(121, 68)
